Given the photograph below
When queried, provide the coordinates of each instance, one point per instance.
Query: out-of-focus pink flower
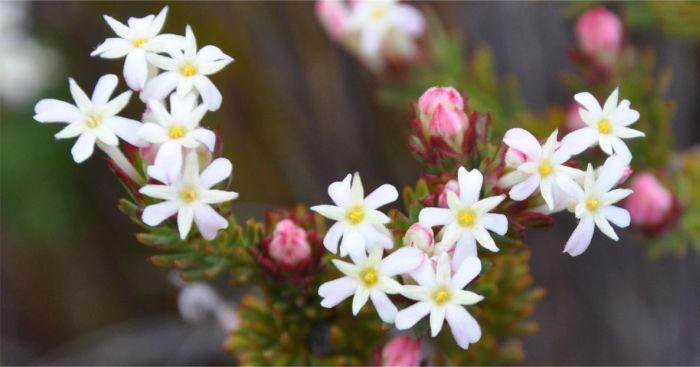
(599, 32)
(401, 351)
(333, 15)
(650, 203)
(442, 114)
(289, 245)
(573, 118)
(451, 185)
(419, 237)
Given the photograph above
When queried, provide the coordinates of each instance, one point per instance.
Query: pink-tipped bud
(599, 32)
(289, 245)
(419, 237)
(442, 114)
(573, 118)
(333, 16)
(451, 185)
(402, 351)
(650, 203)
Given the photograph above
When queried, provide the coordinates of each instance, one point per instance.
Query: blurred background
(298, 112)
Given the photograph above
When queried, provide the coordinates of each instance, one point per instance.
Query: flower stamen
(604, 126)
(188, 70)
(176, 132)
(441, 296)
(544, 169)
(592, 204)
(370, 277)
(93, 120)
(466, 218)
(356, 215)
(138, 42)
(188, 194)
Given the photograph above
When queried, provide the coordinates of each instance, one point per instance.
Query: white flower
(358, 221)
(187, 70)
(441, 294)
(190, 196)
(607, 126)
(385, 28)
(177, 130)
(370, 277)
(594, 204)
(543, 167)
(93, 119)
(135, 41)
(467, 219)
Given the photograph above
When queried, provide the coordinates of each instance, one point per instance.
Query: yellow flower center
(544, 169)
(465, 218)
(93, 120)
(604, 126)
(188, 194)
(176, 132)
(138, 42)
(356, 215)
(189, 70)
(441, 296)
(378, 13)
(592, 204)
(370, 277)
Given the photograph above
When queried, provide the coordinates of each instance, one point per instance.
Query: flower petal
(620, 217)
(431, 217)
(115, 106)
(217, 196)
(614, 196)
(465, 248)
(409, 316)
(204, 136)
(383, 195)
(605, 226)
(339, 191)
(160, 86)
(162, 192)
(168, 163)
(470, 183)
(105, 136)
(437, 318)
(136, 69)
(462, 297)
(589, 102)
(546, 191)
(155, 214)
(330, 211)
(217, 171)
(523, 141)
(127, 129)
(361, 297)
(611, 103)
(610, 173)
(401, 261)
(72, 130)
(336, 291)
(424, 274)
(120, 29)
(443, 270)
(415, 292)
(497, 223)
(81, 99)
(330, 241)
(385, 308)
(104, 89)
(352, 242)
(185, 216)
(466, 272)
(83, 147)
(208, 221)
(210, 94)
(53, 110)
(153, 133)
(524, 189)
(485, 205)
(163, 62)
(464, 327)
(484, 238)
(581, 237)
(112, 48)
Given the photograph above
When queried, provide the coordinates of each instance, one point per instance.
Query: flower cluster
(180, 145)
(377, 32)
(590, 195)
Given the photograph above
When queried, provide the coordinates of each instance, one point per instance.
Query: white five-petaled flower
(371, 277)
(594, 204)
(441, 294)
(467, 219)
(190, 197)
(177, 129)
(385, 28)
(93, 120)
(542, 168)
(135, 41)
(185, 70)
(607, 126)
(358, 221)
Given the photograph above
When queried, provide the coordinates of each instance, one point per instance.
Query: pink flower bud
(599, 32)
(442, 113)
(573, 118)
(289, 245)
(419, 237)
(401, 351)
(650, 203)
(451, 185)
(333, 15)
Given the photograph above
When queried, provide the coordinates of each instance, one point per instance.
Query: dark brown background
(299, 112)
